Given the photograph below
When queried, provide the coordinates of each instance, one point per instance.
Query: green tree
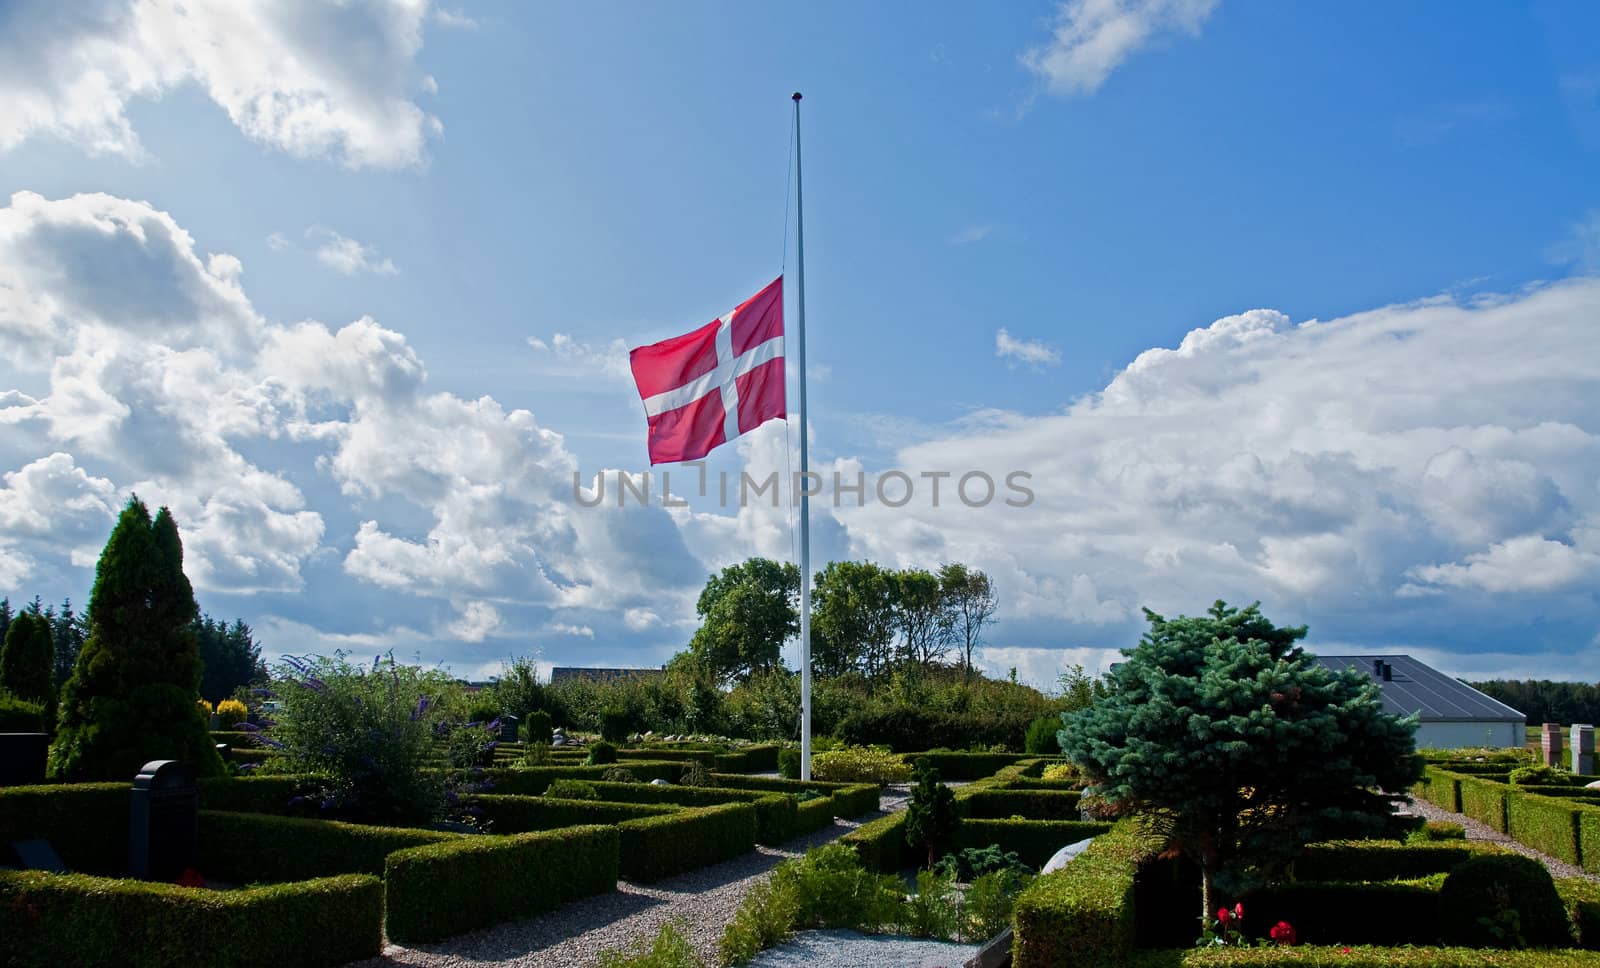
(25, 659)
(5, 617)
(852, 619)
(969, 606)
(920, 615)
(931, 817)
(131, 697)
(518, 689)
(1239, 747)
(68, 629)
(229, 655)
(746, 612)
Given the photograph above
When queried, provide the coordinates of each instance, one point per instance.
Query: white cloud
(579, 631)
(1581, 249)
(314, 79)
(1032, 352)
(1524, 564)
(347, 256)
(478, 620)
(1092, 38)
(563, 355)
(970, 234)
(456, 19)
(277, 242)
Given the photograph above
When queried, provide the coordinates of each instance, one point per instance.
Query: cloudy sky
(1289, 302)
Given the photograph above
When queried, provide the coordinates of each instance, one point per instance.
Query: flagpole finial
(796, 95)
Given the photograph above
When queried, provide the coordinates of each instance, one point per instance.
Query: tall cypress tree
(25, 659)
(131, 698)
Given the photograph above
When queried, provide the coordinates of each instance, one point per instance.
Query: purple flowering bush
(367, 734)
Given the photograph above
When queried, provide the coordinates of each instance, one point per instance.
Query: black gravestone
(22, 758)
(163, 821)
(508, 728)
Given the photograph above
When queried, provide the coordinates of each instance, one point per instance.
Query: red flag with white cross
(708, 386)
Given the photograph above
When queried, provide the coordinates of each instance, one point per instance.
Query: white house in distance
(1452, 713)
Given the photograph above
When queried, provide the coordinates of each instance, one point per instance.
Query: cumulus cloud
(1091, 38)
(562, 355)
(347, 256)
(314, 79)
(1031, 352)
(478, 620)
(1524, 564)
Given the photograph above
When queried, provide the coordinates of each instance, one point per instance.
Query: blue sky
(441, 227)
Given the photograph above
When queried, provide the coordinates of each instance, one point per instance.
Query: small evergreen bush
(614, 725)
(1041, 736)
(1503, 901)
(931, 818)
(537, 726)
(619, 774)
(695, 775)
(602, 754)
(572, 790)
(789, 763)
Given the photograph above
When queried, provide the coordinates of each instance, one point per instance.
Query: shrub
(1041, 736)
(571, 790)
(602, 753)
(1381, 860)
(932, 912)
(48, 920)
(614, 725)
(130, 698)
(695, 775)
(27, 655)
(931, 817)
(1059, 772)
(964, 766)
(1534, 775)
(20, 715)
(765, 917)
(519, 815)
(1083, 914)
(835, 891)
(1333, 912)
(536, 753)
(789, 763)
(1582, 899)
(537, 726)
(1437, 830)
(669, 949)
(1035, 841)
(204, 707)
(1544, 823)
(657, 847)
(990, 900)
(751, 759)
(974, 862)
(231, 712)
(443, 889)
(1503, 901)
(1484, 801)
(860, 765)
(881, 843)
(1033, 804)
(252, 848)
(619, 774)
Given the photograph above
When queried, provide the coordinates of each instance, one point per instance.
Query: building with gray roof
(1452, 713)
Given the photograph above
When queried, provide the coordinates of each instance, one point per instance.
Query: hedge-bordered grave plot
(1557, 816)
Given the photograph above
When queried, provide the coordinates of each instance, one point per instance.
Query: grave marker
(163, 821)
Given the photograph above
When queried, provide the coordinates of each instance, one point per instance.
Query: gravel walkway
(1482, 831)
(574, 935)
(848, 949)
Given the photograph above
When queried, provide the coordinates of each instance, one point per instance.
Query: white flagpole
(805, 477)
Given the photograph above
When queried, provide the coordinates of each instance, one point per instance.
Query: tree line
(1546, 701)
(865, 619)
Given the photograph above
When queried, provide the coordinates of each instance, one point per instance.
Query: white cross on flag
(706, 387)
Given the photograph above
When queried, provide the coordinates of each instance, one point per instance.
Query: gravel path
(573, 936)
(848, 949)
(1482, 831)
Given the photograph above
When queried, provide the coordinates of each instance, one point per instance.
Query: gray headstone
(163, 821)
(508, 728)
(1550, 744)
(22, 758)
(38, 855)
(1582, 748)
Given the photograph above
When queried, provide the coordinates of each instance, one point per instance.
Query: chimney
(1377, 668)
(1388, 672)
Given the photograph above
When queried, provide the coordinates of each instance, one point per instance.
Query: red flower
(1346, 950)
(191, 878)
(1238, 910)
(1223, 915)
(1283, 933)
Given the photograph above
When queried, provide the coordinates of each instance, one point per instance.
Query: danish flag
(706, 387)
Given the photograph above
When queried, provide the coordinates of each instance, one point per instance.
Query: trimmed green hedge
(252, 794)
(1035, 841)
(249, 847)
(1033, 804)
(1336, 912)
(1485, 801)
(436, 891)
(519, 815)
(706, 757)
(775, 813)
(657, 847)
(1582, 899)
(48, 920)
(966, 766)
(1083, 914)
(238, 737)
(532, 781)
(1546, 824)
(1440, 788)
(87, 823)
(1383, 860)
(1307, 956)
(1589, 838)
(813, 815)
(881, 844)
(856, 800)
(760, 758)
(850, 799)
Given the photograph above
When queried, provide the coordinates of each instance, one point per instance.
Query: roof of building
(559, 673)
(1413, 687)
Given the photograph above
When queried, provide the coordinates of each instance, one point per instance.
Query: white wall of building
(1454, 735)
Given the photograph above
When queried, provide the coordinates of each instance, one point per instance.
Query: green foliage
(602, 753)
(1437, 830)
(1383, 860)
(1534, 775)
(1335, 912)
(230, 657)
(26, 659)
(537, 726)
(1582, 900)
(931, 817)
(669, 949)
(516, 815)
(1084, 913)
(833, 890)
(536, 753)
(658, 847)
(1484, 800)
(755, 758)
(1547, 824)
(766, 917)
(131, 695)
(746, 613)
(572, 790)
(968, 603)
(974, 862)
(20, 715)
(881, 843)
(1240, 745)
(1503, 901)
(619, 774)
(1033, 840)
(48, 920)
(789, 762)
(1041, 736)
(1311, 956)
(858, 764)
(695, 774)
(934, 910)
(965, 766)
(990, 901)
(852, 619)
(1545, 701)
(472, 882)
(366, 733)
(247, 848)
(1033, 804)
(615, 724)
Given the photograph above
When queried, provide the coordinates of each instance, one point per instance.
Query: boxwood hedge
(519, 815)
(760, 758)
(657, 847)
(1033, 804)
(966, 766)
(1309, 956)
(1033, 840)
(87, 823)
(249, 847)
(1342, 912)
(48, 920)
(1546, 824)
(442, 889)
(881, 844)
(1383, 860)
(1485, 800)
(1083, 914)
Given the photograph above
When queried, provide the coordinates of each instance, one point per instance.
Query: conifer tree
(131, 697)
(25, 659)
(1238, 747)
(931, 817)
